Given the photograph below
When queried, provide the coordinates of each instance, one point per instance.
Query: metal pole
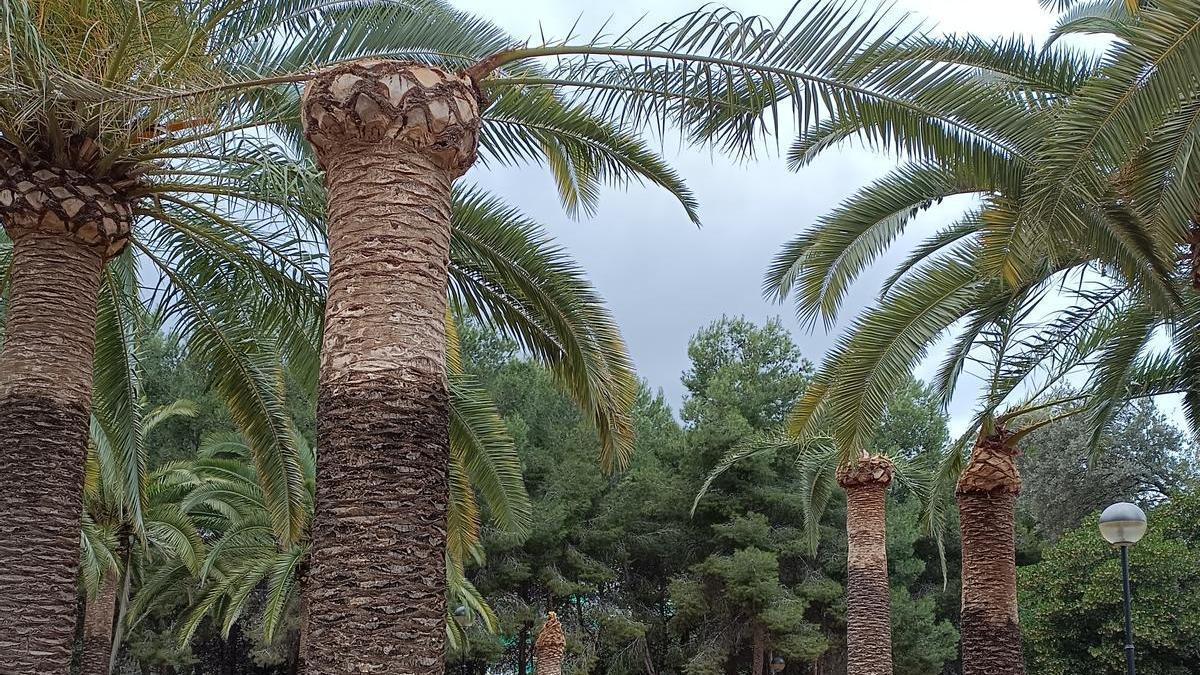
(1129, 654)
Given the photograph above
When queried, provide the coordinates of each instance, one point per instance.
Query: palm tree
(868, 595)
(86, 183)
(201, 189)
(393, 136)
(999, 119)
(105, 559)
(183, 84)
(223, 496)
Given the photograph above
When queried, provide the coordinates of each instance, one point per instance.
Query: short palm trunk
(868, 594)
(392, 138)
(987, 495)
(550, 648)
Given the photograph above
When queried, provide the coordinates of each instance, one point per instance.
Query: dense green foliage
(1145, 459)
(640, 582)
(1071, 602)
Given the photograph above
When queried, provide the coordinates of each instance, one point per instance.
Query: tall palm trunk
(392, 138)
(98, 615)
(63, 226)
(550, 648)
(987, 496)
(868, 596)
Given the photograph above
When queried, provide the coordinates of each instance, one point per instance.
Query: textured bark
(392, 137)
(45, 396)
(987, 494)
(759, 648)
(65, 203)
(98, 616)
(550, 648)
(868, 596)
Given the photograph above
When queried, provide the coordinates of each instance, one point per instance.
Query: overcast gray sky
(662, 276)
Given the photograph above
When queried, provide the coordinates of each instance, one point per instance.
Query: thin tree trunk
(987, 495)
(868, 596)
(760, 649)
(392, 138)
(98, 615)
(301, 634)
(126, 553)
(551, 647)
(523, 650)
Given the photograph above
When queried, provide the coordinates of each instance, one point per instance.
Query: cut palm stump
(550, 648)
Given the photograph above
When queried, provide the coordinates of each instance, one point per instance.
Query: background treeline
(644, 585)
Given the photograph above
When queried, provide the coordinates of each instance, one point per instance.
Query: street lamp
(778, 664)
(1124, 525)
(463, 617)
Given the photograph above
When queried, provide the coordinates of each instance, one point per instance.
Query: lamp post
(778, 664)
(1123, 525)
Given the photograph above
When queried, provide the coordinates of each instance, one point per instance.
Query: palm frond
(506, 273)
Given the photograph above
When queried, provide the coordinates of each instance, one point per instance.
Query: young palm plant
(550, 647)
(110, 534)
(247, 565)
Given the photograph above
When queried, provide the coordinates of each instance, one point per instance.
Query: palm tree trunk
(98, 617)
(550, 648)
(126, 550)
(45, 397)
(392, 137)
(987, 496)
(868, 596)
(64, 226)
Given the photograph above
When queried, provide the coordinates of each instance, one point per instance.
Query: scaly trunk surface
(987, 495)
(392, 137)
(98, 614)
(64, 225)
(868, 596)
(550, 648)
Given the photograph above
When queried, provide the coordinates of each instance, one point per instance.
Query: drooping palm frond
(1100, 190)
(1144, 78)
(504, 271)
(96, 557)
(880, 350)
(1104, 17)
(816, 459)
(483, 459)
(819, 265)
